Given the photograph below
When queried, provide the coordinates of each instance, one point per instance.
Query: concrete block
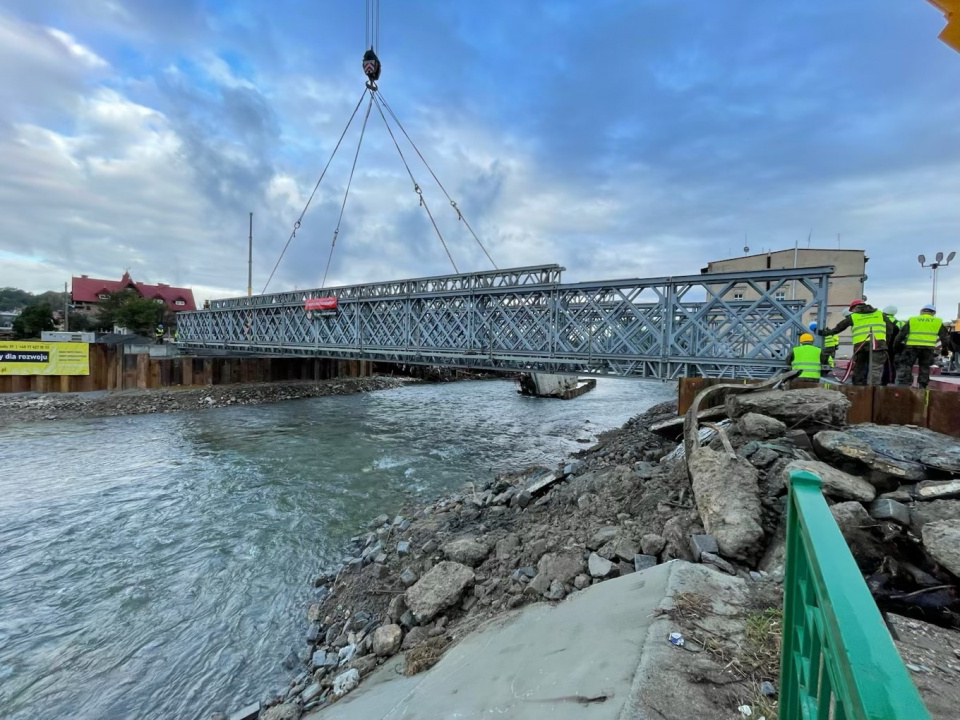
(403, 547)
(642, 562)
(701, 544)
(248, 712)
(886, 509)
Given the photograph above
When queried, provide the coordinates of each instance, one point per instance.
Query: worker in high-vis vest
(805, 357)
(918, 337)
(868, 329)
(828, 353)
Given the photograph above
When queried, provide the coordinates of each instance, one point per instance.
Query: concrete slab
(576, 659)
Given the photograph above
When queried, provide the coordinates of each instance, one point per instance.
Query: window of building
(179, 302)
(738, 296)
(103, 296)
(780, 295)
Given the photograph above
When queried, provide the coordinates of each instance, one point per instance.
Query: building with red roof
(87, 292)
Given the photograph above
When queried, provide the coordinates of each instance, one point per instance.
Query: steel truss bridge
(526, 319)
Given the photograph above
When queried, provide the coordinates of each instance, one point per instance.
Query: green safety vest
(866, 325)
(830, 341)
(924, 330)
(806, 359)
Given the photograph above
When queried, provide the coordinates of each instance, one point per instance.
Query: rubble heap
(416, 582)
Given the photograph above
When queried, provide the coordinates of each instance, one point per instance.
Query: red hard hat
(854, 303)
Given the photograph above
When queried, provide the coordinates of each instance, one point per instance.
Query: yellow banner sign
(44, 358)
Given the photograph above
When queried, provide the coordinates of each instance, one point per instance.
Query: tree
(34, 319)
(108, 309)
(14, 299)
(139, 315)
(80, 322)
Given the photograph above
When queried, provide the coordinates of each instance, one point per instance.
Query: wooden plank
(6, 383)
(897, 405)
(943, 412)
(186, 373)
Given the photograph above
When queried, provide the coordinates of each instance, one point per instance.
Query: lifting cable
(453, 203)
(343, 205)
(296, 225)
(416, 187)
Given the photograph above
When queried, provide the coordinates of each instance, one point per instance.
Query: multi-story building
(845, 284)
(87, 292)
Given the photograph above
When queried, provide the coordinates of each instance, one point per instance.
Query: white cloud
(77, 51)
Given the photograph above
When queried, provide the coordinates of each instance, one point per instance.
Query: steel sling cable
(296, 225)
(346, 194)
(416, 187)
(453, 203)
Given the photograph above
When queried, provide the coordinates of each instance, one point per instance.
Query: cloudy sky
(619, 139)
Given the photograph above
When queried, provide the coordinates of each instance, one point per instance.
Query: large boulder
(796, 408)
(941, 539)
(286, 711)
(386, 640)
(563, 566)
(836, 483)
(922, 513)
(855, 524)
(728, 500)
(903, 451)
(760, 427)
(438, 589)
(466, 551)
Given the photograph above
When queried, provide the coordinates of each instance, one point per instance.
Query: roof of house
(88, 289)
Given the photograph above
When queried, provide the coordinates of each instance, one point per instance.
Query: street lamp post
(938, 263)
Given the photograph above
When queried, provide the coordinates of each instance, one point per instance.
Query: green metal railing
(838, 661)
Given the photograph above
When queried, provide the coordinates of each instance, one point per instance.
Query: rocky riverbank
(64, 406)
(418, 581)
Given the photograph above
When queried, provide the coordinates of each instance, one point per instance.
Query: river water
(158, 566)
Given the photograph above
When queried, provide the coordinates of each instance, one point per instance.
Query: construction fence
(112, 369)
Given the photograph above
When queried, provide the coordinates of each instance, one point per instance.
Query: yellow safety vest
(866, 325)
(830, 341)
(806, 359)
(924, 330)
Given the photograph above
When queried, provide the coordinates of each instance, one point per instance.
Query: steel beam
(526, 319)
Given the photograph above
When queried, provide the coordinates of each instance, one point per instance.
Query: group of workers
(885, 349)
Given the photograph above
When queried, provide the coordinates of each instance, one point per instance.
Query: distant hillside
(15, 299)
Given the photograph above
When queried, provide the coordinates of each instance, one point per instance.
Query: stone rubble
(433, 573)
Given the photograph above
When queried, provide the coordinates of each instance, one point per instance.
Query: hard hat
(854, 303)
(929, 308)
(806, 337)
(890, 310)
(812, 325)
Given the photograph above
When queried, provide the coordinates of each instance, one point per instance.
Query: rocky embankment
(416, 582)
(57, 406)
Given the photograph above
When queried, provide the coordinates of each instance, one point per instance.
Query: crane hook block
(371, 65)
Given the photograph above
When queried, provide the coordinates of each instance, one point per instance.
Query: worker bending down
(805, 357)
